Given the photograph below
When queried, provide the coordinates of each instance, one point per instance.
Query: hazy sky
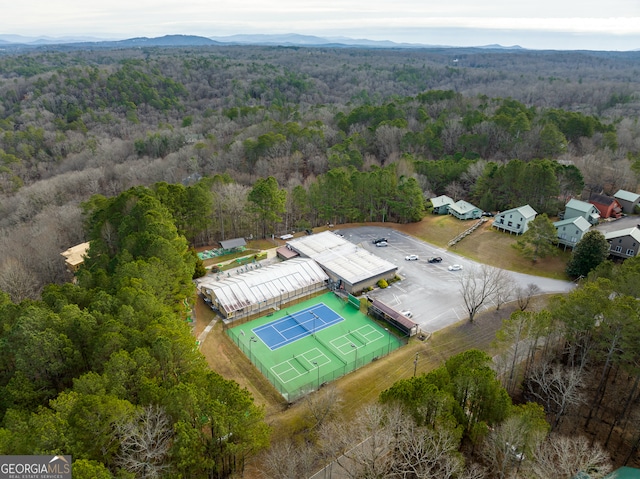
(557, 24)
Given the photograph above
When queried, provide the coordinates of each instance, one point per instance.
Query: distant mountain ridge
(290, 39)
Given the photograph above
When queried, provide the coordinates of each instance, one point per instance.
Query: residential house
(464, 210)
(74, 256)
(624, 243)
(441, 204)
(627, 200)
(515, 220)
(571, 231)
(607, 206)
(575, 208)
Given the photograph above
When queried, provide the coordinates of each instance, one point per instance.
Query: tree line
(107, 369)
(83, 122)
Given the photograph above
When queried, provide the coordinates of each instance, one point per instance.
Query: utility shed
(263, 288)
(233, 243)
(350, 267)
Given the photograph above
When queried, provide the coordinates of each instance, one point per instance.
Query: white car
(407, 313)
(382, 244)
(455, 267)
(411, 257)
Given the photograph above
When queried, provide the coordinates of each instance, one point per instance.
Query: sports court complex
(313, 342)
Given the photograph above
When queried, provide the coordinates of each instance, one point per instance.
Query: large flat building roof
(340, 257)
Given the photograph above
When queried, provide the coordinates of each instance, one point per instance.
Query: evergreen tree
(539, 241)
(590, 251)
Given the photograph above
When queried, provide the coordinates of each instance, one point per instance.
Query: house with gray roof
(575, 208)
(627, 200)
(515, 220)
(624, 243)
(464, 210)
(571, 231)
(441, 204)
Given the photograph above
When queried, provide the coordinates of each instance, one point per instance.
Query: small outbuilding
(627, 200)
(515, 220)
(575, 208)
(233, 244)
(624, 243)
(464, 210)
(608, 207)
(383, 312)
(441, 204)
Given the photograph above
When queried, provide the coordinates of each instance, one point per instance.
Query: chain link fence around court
(316, 380)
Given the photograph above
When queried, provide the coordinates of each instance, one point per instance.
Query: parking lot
(430, 291)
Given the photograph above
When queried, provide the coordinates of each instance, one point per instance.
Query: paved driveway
(620, 224)
(430, 291)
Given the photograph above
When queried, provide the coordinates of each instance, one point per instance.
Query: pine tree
(590, 251)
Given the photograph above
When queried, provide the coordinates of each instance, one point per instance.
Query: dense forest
(347, 134)
(149, 152)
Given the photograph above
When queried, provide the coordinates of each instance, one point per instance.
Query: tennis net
(303, 324)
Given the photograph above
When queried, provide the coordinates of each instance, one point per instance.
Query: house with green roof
(464, 210)
(515, 220)
(627, 200)
(575, 208)
(441, 204)
(571, 231)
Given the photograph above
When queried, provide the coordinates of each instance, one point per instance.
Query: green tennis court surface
(302, 365)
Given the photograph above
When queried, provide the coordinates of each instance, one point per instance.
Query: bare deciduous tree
(426, 453)
(145, 442)
(564, 457)
(481, 285)
(286, 460)
(17, 281)
(323, 404)
(556, 388)
(362, 447)
(524, 295)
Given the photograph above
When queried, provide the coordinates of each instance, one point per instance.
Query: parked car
(411, 257)
(380, 244)
(455, 267)
(407, 313)
(487, 213)
(379, 240)
(435, 259)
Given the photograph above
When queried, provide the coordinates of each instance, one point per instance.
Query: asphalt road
(620, 224)
(430, 291)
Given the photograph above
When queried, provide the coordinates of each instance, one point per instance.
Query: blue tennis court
(298, 325)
